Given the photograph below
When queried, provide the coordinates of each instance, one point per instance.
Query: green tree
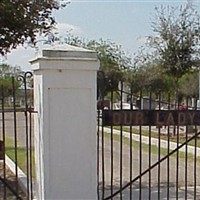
(156, 79)
(7, 70)
(22, 20)
(149, 77)
(113, 62)
(176, 42)
(189, 85)
(6, 82)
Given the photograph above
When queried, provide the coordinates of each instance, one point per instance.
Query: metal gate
(16, 146)
(147, 148)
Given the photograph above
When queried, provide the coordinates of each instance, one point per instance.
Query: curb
(21, 175)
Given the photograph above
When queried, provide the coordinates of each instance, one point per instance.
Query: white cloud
(63, 29)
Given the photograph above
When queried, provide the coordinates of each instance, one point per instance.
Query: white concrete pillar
(65, 126)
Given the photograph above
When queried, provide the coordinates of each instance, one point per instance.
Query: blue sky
(126, 23)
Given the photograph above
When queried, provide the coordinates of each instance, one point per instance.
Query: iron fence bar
(102, 160)
(186, 161)
(121, 143)
(111, 151)
(150, 97)
(98, 155)
(140, 155)
(100, 74)
(15, 133)
(131, 148)
(195, 167)
(186, 158)
(27, 145)
(159, 151)
(102, 156)
(195, 156)
(10, 110)
(177, 163)
(168, 149)
(4, 140)
(131, 160)
(168, 160)
(31, 158)
(154, 165)
(23, 78)
(31, 147)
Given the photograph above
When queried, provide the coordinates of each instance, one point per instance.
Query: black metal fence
(158, 159)
(16, 134)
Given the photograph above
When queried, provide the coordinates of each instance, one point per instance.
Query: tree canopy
(177, 39)
(6, 74)
(22, 20)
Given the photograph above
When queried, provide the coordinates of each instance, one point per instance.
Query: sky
(127, 23)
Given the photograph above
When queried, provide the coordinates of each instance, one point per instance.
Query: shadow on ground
(163, 191)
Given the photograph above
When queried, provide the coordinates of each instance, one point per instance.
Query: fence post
(65, 126)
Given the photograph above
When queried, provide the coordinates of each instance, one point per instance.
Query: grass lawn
(154, 134)
(21, 155)
(153, 148)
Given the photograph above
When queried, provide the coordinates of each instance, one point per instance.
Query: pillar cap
(65, 51)
(57, 56)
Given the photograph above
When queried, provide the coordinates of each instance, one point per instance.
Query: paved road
(20, 127)
(163, 175)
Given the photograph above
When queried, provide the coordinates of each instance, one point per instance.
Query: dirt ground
(5, 192)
